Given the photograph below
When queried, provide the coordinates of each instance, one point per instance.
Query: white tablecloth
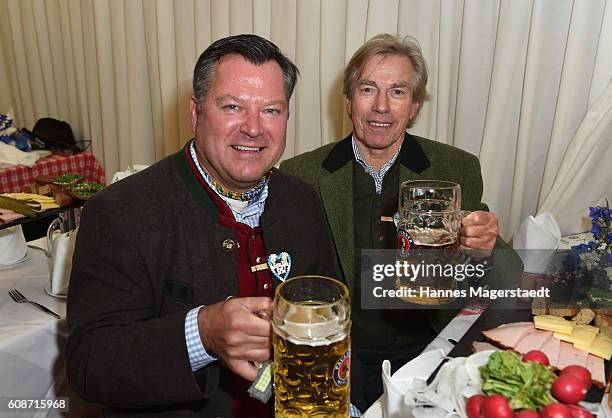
(453, 331)
(31, 341)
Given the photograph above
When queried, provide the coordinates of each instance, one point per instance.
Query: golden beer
(312, 349)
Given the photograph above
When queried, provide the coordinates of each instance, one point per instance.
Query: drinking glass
(429, 219)
(311, 322)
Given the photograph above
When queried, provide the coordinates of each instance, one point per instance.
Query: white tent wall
(510, 81)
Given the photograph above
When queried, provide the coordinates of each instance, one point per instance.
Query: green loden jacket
(329, 170)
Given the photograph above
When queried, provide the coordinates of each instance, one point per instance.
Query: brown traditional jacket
(149, 249)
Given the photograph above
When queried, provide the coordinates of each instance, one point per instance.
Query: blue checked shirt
(376, 175)
(198, 357)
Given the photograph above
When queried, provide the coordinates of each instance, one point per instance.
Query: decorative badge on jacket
(280, 264)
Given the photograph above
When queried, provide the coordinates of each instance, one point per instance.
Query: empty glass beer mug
(429, 219)
(311, 340)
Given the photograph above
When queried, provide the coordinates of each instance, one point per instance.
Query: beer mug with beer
(311, 340)
(429, 219)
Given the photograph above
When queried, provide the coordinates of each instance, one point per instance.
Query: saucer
(47, 290)
(19, 262)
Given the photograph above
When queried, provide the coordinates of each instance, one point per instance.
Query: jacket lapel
(413, 160)
(408, 175)
(337, 195)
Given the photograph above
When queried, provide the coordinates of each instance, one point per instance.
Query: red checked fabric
(15, 178)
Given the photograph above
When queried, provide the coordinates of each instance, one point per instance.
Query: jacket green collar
(188, 177)
(196, 189)
(411, 155)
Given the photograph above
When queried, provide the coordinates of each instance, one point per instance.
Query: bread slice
(562, 310)
(603, 311)
(584, 317)
(604, 323)
(539, 306)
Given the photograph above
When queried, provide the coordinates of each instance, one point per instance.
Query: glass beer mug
(429, 219)
(311, 340)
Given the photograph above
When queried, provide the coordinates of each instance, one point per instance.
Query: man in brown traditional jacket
(153, 330)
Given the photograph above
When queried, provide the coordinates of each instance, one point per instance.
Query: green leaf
(526, 385)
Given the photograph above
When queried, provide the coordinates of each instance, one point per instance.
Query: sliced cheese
(48, 205)
(600, 347)
(589, 327)
(581, 334)
(605, 338)
(30, 196)
(553, 323)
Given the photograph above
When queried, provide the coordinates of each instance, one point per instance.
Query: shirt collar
(254, 195)
(235, 205)
(383, 169)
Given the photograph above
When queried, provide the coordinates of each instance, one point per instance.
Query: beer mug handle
(473, 253)
(267, 315)
(464, 213)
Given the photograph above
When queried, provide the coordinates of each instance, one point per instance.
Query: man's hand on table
(232, 331)
(479, 231)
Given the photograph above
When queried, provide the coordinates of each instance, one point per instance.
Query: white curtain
(511, 81)
(585, 171)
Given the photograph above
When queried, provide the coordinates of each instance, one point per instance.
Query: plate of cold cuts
(513, 329)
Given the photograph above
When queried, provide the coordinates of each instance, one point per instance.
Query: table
(445, 341)
(15, 178)
(31, 341)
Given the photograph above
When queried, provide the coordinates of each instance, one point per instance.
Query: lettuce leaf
(525, 385)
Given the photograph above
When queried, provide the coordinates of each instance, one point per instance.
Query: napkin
(412, 376)
(536, 241)
(407, 394)
(120, 175)
(13, 156)
(62, 249)
(13, 247)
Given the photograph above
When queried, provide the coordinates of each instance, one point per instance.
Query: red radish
(555, 410)
(567, 388)
(580, 372)
(526, 413)
(473, 406)
(578, 412)
(496, 406)
(537, 357)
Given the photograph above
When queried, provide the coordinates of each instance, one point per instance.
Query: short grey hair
(252, 48)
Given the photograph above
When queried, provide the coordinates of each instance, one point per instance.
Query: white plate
(420, 367)
(19, 262)
(47, 290)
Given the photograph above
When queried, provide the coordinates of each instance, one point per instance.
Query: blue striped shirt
(376, 175)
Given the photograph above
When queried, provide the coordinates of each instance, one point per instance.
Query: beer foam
(312, 325)
(316, 334)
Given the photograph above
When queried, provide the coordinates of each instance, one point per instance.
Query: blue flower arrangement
(587, 269)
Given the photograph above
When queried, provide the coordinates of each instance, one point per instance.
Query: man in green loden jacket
(358, 179)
